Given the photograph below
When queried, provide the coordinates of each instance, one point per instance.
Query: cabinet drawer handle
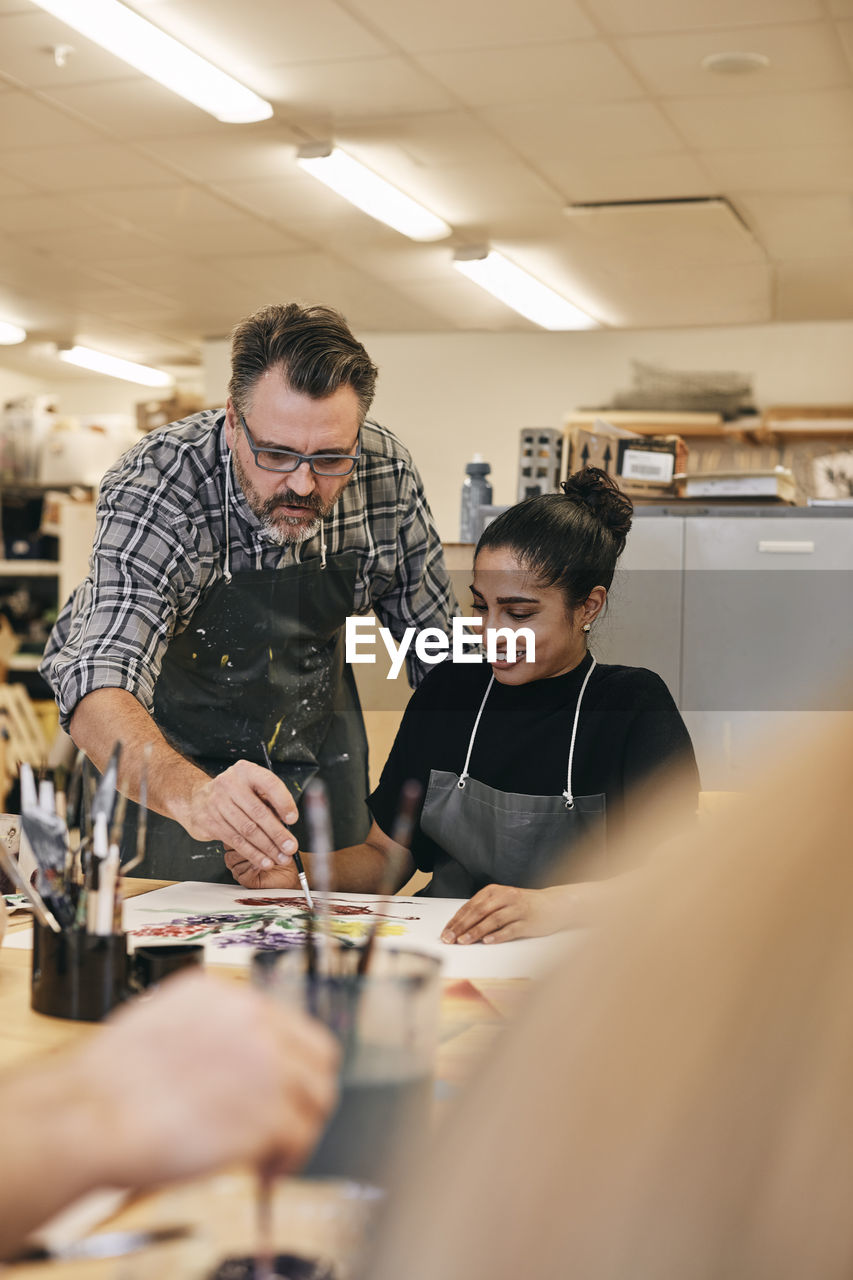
(773, 547)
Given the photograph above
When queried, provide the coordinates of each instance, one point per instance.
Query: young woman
(521, 761)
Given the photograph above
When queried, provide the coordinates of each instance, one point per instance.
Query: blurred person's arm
(205, 1073)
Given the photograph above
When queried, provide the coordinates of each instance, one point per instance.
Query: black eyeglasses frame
(310, 458)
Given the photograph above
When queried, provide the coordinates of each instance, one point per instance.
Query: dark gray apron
(502, 837)
(262, 660)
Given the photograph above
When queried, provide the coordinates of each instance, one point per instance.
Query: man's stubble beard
(285, 530)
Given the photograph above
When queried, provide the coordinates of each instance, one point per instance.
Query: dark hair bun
(600, 493)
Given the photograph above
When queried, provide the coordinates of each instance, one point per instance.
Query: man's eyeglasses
(322, 464)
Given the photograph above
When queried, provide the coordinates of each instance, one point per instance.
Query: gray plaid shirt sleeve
(143, 581)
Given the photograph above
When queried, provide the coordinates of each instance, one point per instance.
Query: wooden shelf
(29, 568)
(25, 662)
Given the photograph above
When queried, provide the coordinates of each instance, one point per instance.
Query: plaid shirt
(160, 543)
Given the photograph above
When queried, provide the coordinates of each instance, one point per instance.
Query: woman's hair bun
(600, 493)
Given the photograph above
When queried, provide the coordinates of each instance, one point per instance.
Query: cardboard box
(643, 466)
(777, 484)
(151, 414)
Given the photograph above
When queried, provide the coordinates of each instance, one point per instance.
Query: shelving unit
(73, 527)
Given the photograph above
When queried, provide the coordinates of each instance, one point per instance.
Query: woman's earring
(586, 627)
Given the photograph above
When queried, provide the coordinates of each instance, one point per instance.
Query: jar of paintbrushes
(80, 962)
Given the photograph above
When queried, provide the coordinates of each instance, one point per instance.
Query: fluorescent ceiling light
(529, 297)
(370, 193)
(138, 42)
(11, 334)
(99, 362)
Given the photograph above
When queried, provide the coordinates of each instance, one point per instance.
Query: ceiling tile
(105, 300)
(400, 263)
(285, 274)
(483, 192)
(205, 238)
(26, 122)
(40, 213)
(815, 290)
(805, 56)
(266, 32)
(246, 151)
(567, 71)
(90, 243)
(168, 276)
(378, 86)
(692, 296)
(621, 128)
(666, 175)
(81, 168)
(180, 201)
(823, 118)
(134, 108)
(12, 189)
(845, 30)
(477, 24)
(629, 17)
(290, 197)
(39, 274)
(802, 227)
(821, 169)
(439, 138)
(662, 237)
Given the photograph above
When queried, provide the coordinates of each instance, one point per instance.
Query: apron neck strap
(463, 778)
(568, 794)
(226, 572)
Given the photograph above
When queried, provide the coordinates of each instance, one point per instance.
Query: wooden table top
(314, 1218)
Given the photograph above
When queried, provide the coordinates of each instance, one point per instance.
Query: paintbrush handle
(41, 911)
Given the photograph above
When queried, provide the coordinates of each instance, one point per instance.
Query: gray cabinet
(767, 636)
(748, 619)
(642, 623)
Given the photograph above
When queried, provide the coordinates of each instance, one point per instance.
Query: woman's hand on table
(252, 877)
(502, 912)
(206, 1073)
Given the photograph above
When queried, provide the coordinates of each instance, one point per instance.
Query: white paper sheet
(193, 909)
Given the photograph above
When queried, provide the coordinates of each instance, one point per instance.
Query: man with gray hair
(208, 636)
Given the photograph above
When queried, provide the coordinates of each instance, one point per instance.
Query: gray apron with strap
(262, 661)
(502, 837)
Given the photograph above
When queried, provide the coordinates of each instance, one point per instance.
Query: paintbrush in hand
(300, 868)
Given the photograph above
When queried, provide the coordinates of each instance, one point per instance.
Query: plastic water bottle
(476, 493)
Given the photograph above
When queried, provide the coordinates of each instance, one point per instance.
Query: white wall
(447, 395)
(13, 385)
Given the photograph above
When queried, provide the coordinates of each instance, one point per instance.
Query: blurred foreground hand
(203, 1074)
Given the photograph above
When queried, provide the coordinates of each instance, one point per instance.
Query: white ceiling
(134, 222)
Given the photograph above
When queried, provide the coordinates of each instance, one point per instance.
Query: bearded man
(208, 637)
